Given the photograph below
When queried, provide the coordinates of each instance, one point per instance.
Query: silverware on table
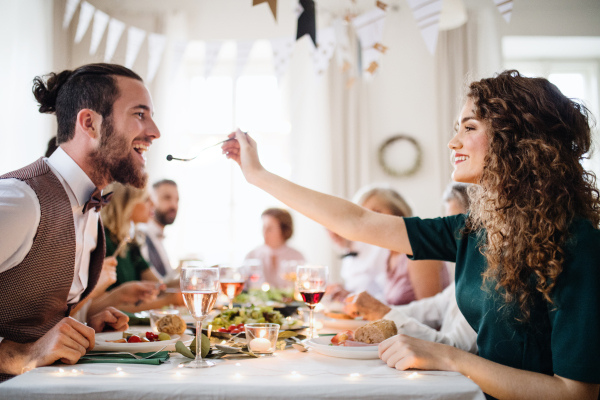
(122, 352)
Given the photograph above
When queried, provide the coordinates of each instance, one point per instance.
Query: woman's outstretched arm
(338, 215)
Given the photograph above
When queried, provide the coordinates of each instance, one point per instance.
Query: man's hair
(91, 86)
(51, 148)
(158, 184)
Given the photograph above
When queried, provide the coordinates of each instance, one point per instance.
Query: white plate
(343, 324)
(143, 347)
(322, 345)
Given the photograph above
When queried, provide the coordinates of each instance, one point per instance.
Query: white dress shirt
(365, 271)
(20, 218)
(422, 318)
(156, 233)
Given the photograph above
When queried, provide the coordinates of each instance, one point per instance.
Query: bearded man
(52, 236)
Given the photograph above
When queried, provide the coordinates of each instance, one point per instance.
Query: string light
(238, 364)
(61, 370)
(180, 366)
(119, 369)
(355, 375)
(121, 373)
(178, 373)
(413, 375)
(237, 375)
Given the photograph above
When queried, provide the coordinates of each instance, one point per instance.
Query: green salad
(247, 315)
(259, 296)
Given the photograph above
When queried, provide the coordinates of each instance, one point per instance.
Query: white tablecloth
(287, 375)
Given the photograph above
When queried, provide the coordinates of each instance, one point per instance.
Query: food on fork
(376, 331)
(171, 324)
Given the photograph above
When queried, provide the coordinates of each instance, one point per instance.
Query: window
(219, 211)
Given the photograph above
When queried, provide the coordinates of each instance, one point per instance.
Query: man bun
(47, 92)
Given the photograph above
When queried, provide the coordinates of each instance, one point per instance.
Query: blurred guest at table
(278, 228)
(437, 318)
(166, 201)
(405, 280)
(52, 249)
(129, 206)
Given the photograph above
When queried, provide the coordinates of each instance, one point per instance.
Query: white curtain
(26, 29)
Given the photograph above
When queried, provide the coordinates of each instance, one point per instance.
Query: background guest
(166, 201)
(405, 280)
(278, 228)
(438, 318)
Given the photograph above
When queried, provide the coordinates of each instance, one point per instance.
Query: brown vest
(34, 293)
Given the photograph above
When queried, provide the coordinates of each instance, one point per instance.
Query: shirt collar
(79, 183)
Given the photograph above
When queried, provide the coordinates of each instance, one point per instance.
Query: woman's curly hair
(533, 184)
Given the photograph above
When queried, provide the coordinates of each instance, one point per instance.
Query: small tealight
(261, 338)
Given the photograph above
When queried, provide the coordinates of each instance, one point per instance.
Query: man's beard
(163, 218)
(113, 160)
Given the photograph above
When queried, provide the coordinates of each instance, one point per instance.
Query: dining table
(287, 374)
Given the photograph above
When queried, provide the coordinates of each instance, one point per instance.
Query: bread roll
(376, 331)
(171, 324)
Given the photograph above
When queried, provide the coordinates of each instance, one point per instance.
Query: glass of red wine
(311, 282)
(232, 281)
(200, 288)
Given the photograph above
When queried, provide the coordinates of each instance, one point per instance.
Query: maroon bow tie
(97, 201)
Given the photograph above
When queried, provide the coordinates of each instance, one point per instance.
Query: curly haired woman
(527, 258)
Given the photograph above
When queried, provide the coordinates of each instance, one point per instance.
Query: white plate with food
(322, 345)
(103, 343)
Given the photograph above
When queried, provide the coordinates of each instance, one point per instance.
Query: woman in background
(404, 280)
(278, 228)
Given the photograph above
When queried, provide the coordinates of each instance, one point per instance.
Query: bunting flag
(243, 53)
(272, 6)
(307, 21)
(505, 7)
(178, 48)
(135, 38)
(324, 51)
(115, 30)
(210, 57)
(100, 22)
(156, 47)
(86, 12)
(70, 9)
(369, 29)
(427, 14)
(283, 48)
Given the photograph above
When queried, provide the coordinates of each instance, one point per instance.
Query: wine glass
(254, 267)
(232, 281)
(311, 282)
(200, 288)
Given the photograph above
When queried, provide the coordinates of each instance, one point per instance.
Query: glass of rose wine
(200, 288)
(232, 281)
(311, 282)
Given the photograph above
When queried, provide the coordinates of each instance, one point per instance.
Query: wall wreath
(384, 156)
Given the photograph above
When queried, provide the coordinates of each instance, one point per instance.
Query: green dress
(561, 338)
(130, 267)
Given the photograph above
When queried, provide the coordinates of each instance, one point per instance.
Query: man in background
(166, 199)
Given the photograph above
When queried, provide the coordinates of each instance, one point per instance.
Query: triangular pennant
(283, 48)
(244, 48)
(427, 14)
(307, 21)
(115, 30)
(505, 7)
(323, 53)
(135, 38)
(178, 48)
(210, 56)
(272, 5)
(100, 22)
(369, 29)
(156, 46)
(70, 9)
(86, 12)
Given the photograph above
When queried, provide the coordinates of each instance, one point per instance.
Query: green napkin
(94, 357)
(133, 320)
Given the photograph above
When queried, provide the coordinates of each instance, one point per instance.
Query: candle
(260, 345)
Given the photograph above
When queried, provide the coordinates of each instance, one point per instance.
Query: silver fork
(124, 352)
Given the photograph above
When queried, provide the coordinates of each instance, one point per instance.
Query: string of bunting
(368, 27)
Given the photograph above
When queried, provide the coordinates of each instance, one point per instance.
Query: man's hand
(109, 317)
(366, 306)
(108, 276)
(67, 341)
